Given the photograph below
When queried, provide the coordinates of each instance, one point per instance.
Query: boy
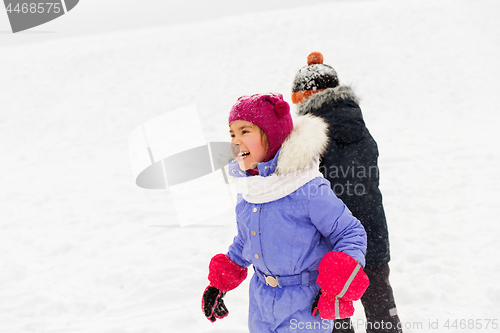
(350, 164)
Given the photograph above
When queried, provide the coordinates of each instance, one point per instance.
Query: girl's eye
(244, 132)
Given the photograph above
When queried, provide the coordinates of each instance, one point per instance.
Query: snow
(86, 250)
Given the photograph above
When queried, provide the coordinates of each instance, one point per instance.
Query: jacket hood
(339, 107)
(304, 146)
(316, 101)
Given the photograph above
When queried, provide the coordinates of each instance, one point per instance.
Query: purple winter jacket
(287, 227)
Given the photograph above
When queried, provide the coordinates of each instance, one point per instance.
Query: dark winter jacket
(350, 164)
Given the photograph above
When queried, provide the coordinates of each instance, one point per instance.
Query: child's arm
(341, 276)
(334, 220)
(236, 249)
(226, 272)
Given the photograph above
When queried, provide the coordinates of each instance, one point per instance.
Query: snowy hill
(85, 250)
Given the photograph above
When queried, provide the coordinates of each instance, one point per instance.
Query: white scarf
(258, 189)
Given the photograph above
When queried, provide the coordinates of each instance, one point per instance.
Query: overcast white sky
(93, 16)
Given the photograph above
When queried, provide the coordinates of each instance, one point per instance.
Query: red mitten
(326, 303)
(342, 280)
(224, 274)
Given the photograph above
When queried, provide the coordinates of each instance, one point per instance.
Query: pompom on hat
(268, 111)
(313, 78)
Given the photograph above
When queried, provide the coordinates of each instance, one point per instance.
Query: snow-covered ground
(83, 249)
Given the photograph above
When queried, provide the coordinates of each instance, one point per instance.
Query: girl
(305, 246)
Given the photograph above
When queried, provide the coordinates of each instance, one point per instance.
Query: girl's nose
(236, 141)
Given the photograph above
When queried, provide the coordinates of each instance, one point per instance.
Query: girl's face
(251, 142)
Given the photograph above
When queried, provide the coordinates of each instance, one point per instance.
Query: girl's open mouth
(243, 154)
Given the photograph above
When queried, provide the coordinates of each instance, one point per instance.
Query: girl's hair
(263, 138)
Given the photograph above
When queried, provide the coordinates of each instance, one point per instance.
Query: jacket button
(254, 233)
(233, 171)
(256, 256)
(255, 210)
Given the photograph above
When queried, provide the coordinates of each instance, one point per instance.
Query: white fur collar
(305, 144)
(298, 163)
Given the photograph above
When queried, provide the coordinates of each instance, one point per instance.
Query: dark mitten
(224, 275)
(314, 309)
(213, 304)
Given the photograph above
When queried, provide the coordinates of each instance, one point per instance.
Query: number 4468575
(33, 8)
(472, 324)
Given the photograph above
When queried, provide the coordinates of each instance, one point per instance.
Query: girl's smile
(243, 154)
(251, 143)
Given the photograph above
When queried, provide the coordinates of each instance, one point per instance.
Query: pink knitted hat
(268, 111)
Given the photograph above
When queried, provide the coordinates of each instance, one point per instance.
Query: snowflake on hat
(313, 78)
